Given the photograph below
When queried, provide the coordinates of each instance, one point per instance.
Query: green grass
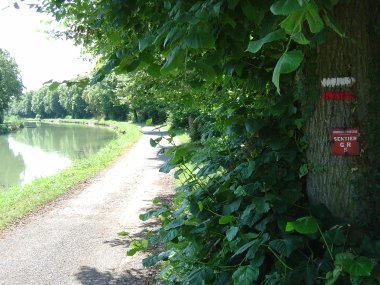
(16, 202)
(181, 134)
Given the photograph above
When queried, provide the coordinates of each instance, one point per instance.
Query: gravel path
(76, 241)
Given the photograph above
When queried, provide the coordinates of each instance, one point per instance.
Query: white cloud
(39, 58)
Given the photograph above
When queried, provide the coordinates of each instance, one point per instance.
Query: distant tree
(71, 99)
(105, 98)
(10, 81)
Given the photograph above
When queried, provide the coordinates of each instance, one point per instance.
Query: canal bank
(18, 201)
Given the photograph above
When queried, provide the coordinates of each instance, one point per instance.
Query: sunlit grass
(17, 201)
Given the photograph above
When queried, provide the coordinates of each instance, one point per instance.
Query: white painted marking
(338, 81)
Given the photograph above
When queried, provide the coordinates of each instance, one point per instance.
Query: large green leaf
(174, 60)
(255, 46)
(285, 7)
(293, 23)
(200, 40)
(361, 266)
(284, 246)
(231, 233)
(152, 260)
(174, 224)
(245, 275)
(244, 248)
(287, 63)
(146, 41)
(223, 220)
(304, 225)
(313, 19)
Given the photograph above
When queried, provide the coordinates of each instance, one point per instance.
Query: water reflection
(43, 150)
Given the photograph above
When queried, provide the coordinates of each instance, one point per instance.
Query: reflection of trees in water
(11, 166)
(73, 141)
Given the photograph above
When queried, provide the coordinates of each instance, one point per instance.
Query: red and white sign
(344, 142)
(337, 95)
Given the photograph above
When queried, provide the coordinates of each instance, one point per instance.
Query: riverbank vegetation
(18, 201)
(10, 124)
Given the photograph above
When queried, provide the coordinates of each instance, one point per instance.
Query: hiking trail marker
(344, 142)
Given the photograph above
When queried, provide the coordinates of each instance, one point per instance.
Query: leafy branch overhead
(172, 33)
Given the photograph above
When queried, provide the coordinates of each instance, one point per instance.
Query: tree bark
(333, 180)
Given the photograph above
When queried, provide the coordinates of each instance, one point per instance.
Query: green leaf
(132, 252)
(287, 63)
(231, 233)
(293, 23)
(303, 170)
(247, 170)
(300, 38)
(232, 207)
(54, 86)
(245, 275)
(361, 266)
(156, 201)
(200, 205)
(145, 42)
(330, 22)
(304, 225)
(123, 234)
(200, 40)
(174, 224)
(154, 70)
(284, 7)
(255, 46)
(313, 19)
(166, 236)
(152, 260)
(223, 220)
(166, 168)
(174, 60)
(244, 248)
(251, 12)
(198, 276)
(333, 276)
(283, 246)
(340, 257)
(152, 213)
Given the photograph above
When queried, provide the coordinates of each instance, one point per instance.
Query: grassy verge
(17, 202)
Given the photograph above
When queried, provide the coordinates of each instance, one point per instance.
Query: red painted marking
(344, 142)
(337, 95)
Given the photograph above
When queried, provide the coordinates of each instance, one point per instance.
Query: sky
(39, 57)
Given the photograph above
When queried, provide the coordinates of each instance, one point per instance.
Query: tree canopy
(257, 202)
(10, 81)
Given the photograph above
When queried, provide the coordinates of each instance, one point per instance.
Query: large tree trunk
(337, 181)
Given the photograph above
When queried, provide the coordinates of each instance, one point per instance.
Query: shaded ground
(76, 241)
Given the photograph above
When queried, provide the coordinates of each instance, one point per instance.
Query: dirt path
(76, 242)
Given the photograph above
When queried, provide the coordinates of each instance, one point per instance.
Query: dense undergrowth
(17, 201)
(240, 215)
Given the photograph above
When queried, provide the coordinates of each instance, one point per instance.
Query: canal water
(41, 150)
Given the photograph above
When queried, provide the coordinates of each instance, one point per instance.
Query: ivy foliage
(240, 215)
